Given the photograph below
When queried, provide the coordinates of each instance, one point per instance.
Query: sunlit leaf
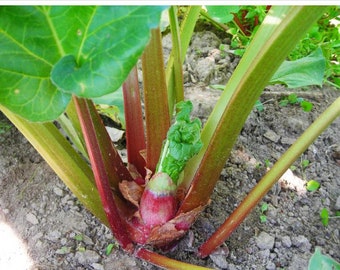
(322, 262)
(302, 72)
(222, 14)
(89, 51)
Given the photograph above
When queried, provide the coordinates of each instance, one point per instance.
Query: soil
(58, 233)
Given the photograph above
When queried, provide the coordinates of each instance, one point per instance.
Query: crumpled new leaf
(87, 50)
(182, 143)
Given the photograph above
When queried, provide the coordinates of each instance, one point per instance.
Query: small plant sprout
(305, 163)
(267, 163)
(79, 237)
(324, 215)
(109, 248)
(4, 127)
(294, 99)
(264, 208)
(312, 185)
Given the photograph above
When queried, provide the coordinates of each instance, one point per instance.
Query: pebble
(37, 236)
(302, 243)
(286, 140)
(297, 262)
(265, 241)
(31, 218)
(272, 136)
(337, 204)
(286, 242)
(58, 191)
(219, 257)
(205, 68)
(270, 266)
(264, 254)
(97, 266)
(87, 257)
(219, 260)
(53, 236)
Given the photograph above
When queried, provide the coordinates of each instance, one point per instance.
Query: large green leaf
(222, 14)
(88, 51)
(322, 262)
(306, 71)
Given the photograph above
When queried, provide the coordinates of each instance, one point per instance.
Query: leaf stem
(135, 137)
(88, 116)
(157, 116)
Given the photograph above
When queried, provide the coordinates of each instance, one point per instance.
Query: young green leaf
(306, 106)
(109, 249)
(312, 185)
(182, 143)
(305, 163)
(264, 207)
(79, 237)
(324, 214)
(259, 105)
(263, 218)
(293, 98)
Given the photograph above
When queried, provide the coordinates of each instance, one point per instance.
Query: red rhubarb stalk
(86, 112)
(135, 138)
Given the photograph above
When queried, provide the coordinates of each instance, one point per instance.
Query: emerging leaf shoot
(182, 143)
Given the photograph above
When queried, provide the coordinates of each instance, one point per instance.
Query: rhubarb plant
(55, 63)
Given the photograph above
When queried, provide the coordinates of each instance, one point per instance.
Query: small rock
(219, 257)
(205, 69)
(286, 140)
(115, 134)
(220, 261)
(337, 204)
(87, 257)
(302, 243)
(286, 242)
(31, 218)
(298, 263)
(37, 236)
(264, 254)
(53, 236)
(63, 241)
(265, 241)
(272, 136)
(270, 266)
(97, 266)
(58, 191)
(63, 250)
